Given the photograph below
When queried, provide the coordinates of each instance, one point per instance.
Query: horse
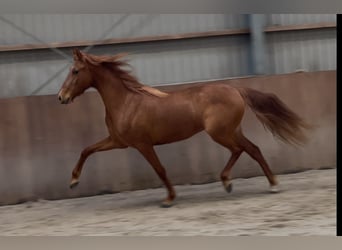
(140, 116)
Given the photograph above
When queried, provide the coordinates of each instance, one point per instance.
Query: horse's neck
(111, 90)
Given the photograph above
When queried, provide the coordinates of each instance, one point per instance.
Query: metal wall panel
(310, 50)
(293, 19)
(153, 63)
(162, 62)
(20, 79)
(73, 27)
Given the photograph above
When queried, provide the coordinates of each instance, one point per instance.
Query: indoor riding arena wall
(41, 140)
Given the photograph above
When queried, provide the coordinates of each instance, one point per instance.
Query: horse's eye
(75, 71)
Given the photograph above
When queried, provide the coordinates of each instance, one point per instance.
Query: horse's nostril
(59, 98)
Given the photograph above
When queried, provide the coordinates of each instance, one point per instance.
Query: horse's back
(216, 108)
(183, 113)
(221, 106)
(211, 97)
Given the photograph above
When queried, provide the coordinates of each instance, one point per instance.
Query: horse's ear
(77, 55)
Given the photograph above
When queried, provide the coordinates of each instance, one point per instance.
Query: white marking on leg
(274, 189)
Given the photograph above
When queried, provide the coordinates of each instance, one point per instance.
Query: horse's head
(78, 80)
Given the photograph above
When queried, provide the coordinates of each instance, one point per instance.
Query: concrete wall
(40, 141)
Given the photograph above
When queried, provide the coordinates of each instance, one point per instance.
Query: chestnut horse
(139, 116)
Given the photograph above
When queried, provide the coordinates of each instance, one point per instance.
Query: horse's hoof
(166, 204)
(74, 183)
(228, 186)
(274, 189)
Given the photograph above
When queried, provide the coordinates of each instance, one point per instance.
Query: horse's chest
(113, 129)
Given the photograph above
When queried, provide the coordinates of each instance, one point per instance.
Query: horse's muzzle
(64, 100)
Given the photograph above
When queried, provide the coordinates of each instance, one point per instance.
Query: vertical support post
(257, 55)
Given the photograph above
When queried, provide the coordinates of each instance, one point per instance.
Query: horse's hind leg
(256, 154)
(225, 174)
(230, 142)
(237, 143)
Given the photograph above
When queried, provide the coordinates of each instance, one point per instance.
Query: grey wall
(162, 62)
(310, 50)
(292, 19)
(74, 27)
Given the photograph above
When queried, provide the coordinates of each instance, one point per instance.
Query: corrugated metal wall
(292, 19)
(310, 50)
(154, 63)
(161, 62)
(71, 27)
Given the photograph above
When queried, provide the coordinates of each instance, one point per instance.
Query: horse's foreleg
(103, 145)
(151, 156)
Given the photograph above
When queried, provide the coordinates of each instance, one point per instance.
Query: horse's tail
(276, 116)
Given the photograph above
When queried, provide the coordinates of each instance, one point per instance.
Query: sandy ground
(305, 206)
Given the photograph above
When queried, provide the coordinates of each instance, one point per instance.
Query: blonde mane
(116, 64)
